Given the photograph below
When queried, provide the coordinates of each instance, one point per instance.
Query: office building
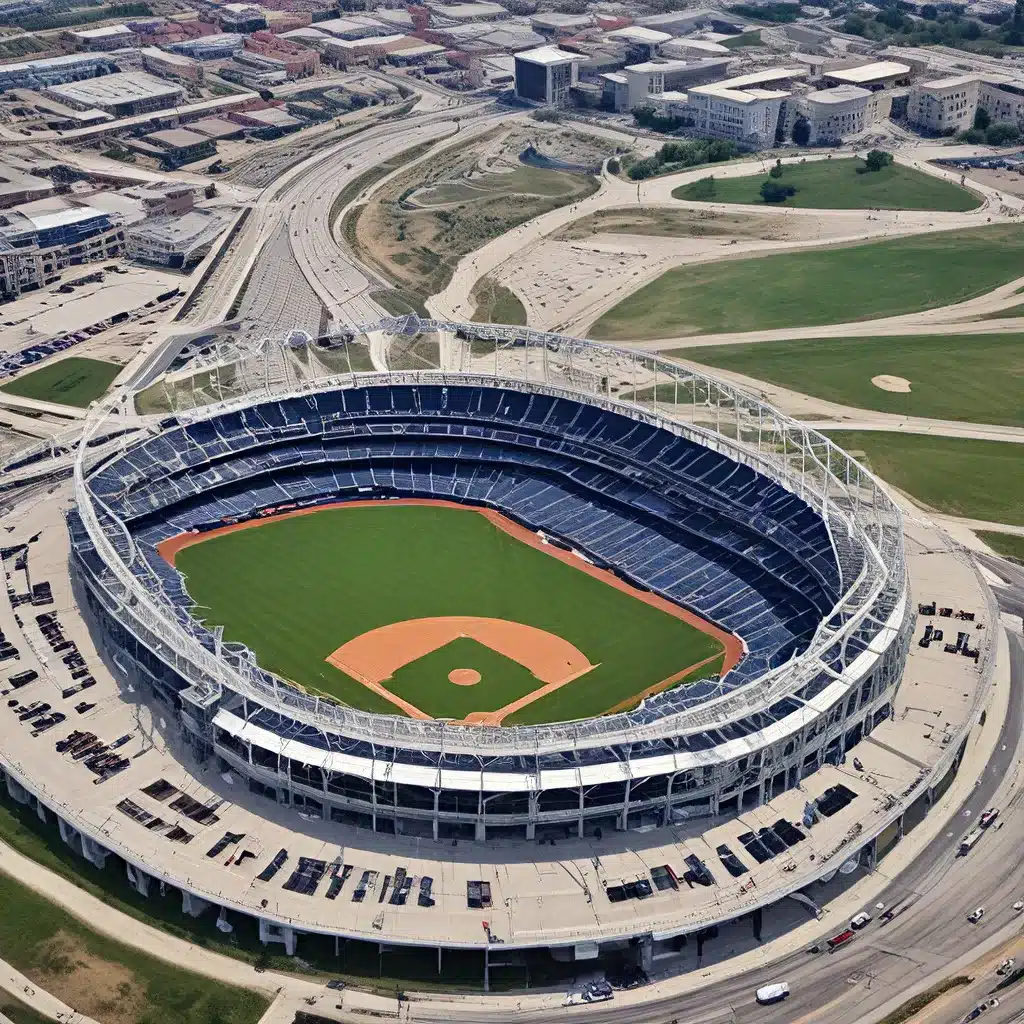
(835, 114)
(944, 105)
(120, 95)
(546, 75)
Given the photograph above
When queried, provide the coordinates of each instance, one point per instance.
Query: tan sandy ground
(732, 644)
(888, 382)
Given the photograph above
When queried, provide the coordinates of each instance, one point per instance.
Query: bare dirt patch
(887, 382)
(98, 988)
(464, 676)
(674, 223)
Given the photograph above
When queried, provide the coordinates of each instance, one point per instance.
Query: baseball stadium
(542, 590)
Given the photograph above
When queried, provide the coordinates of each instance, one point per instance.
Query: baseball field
(441, 611)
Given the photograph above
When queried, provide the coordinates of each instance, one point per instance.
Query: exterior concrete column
(40, 811)
(899, 828)
(624, 816)
(16, 791)
(137, 879)
(579, 820)
(435, 823)
(270, 932)
(481, 829)
(533, 805)
(647, 952)
(193, 905)
(94, 853)
(871, 855)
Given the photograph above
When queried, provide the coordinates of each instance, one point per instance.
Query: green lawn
(19, 1012)
(105, 979)
(496, 304)
(958, 476)
(1009, 544)
(974, 377)
(836, 185)
(72, 381)
(820, 286)
(295, 590)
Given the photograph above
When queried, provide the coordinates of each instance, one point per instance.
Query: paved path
(25, 990)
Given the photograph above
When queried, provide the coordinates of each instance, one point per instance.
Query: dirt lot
(665, 223)
(416, 226)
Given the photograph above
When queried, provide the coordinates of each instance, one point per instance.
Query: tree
(613, 166)
(877, 159)
(773, 192)
(930, 12)
(982, 119)
(801, 131)
(776, 171)
(1002, 133)
(973, 137)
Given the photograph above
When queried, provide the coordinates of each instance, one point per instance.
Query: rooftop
(639, 34)
(184, 228)
(168, 57)
(548, 55)
(176, 138)
(870, 72)
(419, 50)
(101, 33)
(647, 66)
(481, 9)
(112, 89)
(762, 77)
(840, 94)
(354, 44)
(337, 26)
(704, 45)
(552, 19)
(953, 82)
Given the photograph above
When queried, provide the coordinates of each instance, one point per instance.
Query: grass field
(105, 979)
(72, 381)
(836, 185)
(496, 304)
(821, 286)
(1009, 544)
(978, 378)
(295, 590)
(958, 476)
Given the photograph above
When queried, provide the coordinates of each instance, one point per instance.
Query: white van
(772, 993)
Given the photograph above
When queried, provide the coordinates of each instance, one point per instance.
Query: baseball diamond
(376, 603)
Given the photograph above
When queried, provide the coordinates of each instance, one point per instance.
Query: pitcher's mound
(464, 676)
(887, 382)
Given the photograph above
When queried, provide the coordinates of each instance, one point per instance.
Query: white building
(546, 75)
(879, 74)
(110, 37)
(121, 95)
(835, 114)
(645, 40)
(637, 85)
(945, 105)
(1002, 99)
(735, 110)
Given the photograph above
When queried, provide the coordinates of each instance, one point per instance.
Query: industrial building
(557, 26)
(39, 74)
(297, 61)
(944, 105)
(834, 114)
(479, 10)
(344, 52)
(546, 75)
(178, 241)
(354, 27)
(120, 95)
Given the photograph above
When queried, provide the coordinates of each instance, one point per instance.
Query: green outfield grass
(1009, 544)
(822, 286)
(837, 185)
(974, 377)
(294, 590)
(105, 979)
(72, 381)
(955, 475)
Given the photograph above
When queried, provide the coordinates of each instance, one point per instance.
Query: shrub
(801, 131)
(772, 192)
(877, 159)
(1002, 133)
(614, 166)
(973, 136)
(776, 171)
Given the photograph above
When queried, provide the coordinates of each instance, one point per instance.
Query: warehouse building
(356, 26)
(481, 10)
(546, 75)
(241, 18)
(120, 95)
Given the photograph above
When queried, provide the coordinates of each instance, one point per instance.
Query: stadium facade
(747, 517)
